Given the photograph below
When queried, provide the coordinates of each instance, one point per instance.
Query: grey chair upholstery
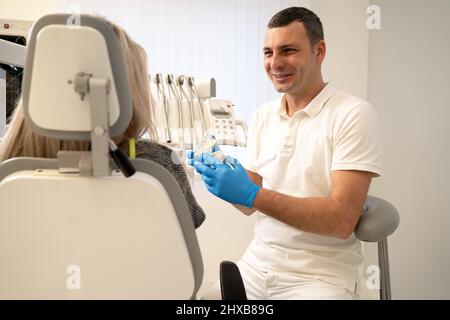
(379, 220)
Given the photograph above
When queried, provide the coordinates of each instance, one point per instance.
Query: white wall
(26, 10)
(409, 85)
(347, 39)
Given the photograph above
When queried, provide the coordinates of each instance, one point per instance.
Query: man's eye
(267, 53)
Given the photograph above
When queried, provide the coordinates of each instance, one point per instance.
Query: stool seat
(379, 220)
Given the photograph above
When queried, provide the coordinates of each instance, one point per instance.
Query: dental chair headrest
(57, 52)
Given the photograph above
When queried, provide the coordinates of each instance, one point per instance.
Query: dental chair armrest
(379, 220)
(231, 283)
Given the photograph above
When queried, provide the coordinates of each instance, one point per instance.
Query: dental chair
(378, 221)
(80, 227)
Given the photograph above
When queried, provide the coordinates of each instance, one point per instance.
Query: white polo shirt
(296, 156)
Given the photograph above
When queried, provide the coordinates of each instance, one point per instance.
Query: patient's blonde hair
(20, 141)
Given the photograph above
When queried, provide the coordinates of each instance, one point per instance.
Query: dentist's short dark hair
(310, 20)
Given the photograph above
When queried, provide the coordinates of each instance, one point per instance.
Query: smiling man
(311, 156)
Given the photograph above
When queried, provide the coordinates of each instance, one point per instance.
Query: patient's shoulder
(151, 150)
(150, 146)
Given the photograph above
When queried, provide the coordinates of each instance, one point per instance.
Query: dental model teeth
(207, 146)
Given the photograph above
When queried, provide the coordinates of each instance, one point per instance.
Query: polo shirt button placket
(288, 143)
(289, 139)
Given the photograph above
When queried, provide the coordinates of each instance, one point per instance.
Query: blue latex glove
(230, 184)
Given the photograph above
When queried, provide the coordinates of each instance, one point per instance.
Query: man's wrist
(251, 194)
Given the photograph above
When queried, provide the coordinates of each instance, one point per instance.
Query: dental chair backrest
(72, 227)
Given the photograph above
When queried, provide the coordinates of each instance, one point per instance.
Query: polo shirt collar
(314, 107)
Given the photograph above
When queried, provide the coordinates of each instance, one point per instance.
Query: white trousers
(271, 285)
(267, 285)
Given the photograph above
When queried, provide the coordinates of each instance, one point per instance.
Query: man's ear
(320, 50)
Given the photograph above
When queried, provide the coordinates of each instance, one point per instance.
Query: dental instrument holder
(187, 110)
(96, 162)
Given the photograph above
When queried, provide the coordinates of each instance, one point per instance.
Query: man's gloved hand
(232, 185)
(192, 156)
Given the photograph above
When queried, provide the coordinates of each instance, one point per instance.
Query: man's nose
(277, 61)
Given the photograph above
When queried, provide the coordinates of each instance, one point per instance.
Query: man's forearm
(325, 216)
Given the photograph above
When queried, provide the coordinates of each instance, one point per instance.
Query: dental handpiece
(160, 88)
